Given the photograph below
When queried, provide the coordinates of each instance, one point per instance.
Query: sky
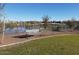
(35, 11)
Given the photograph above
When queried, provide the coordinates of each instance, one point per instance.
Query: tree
(11, 24)
(71, 23)
(45, 21)
(77, 25)
(2, 16)
(1, 23)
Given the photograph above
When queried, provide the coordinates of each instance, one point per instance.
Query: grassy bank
(68, 44)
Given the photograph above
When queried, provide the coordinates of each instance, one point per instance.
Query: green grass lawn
(58, 45)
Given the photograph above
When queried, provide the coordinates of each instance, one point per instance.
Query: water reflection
(14, 30)
(21, 30)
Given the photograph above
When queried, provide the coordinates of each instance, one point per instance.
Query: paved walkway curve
(32, 39)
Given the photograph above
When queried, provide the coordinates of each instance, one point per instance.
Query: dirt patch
(23, 36)
(19, 37)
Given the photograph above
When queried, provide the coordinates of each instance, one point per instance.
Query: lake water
(14, 30)
(21, 30)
